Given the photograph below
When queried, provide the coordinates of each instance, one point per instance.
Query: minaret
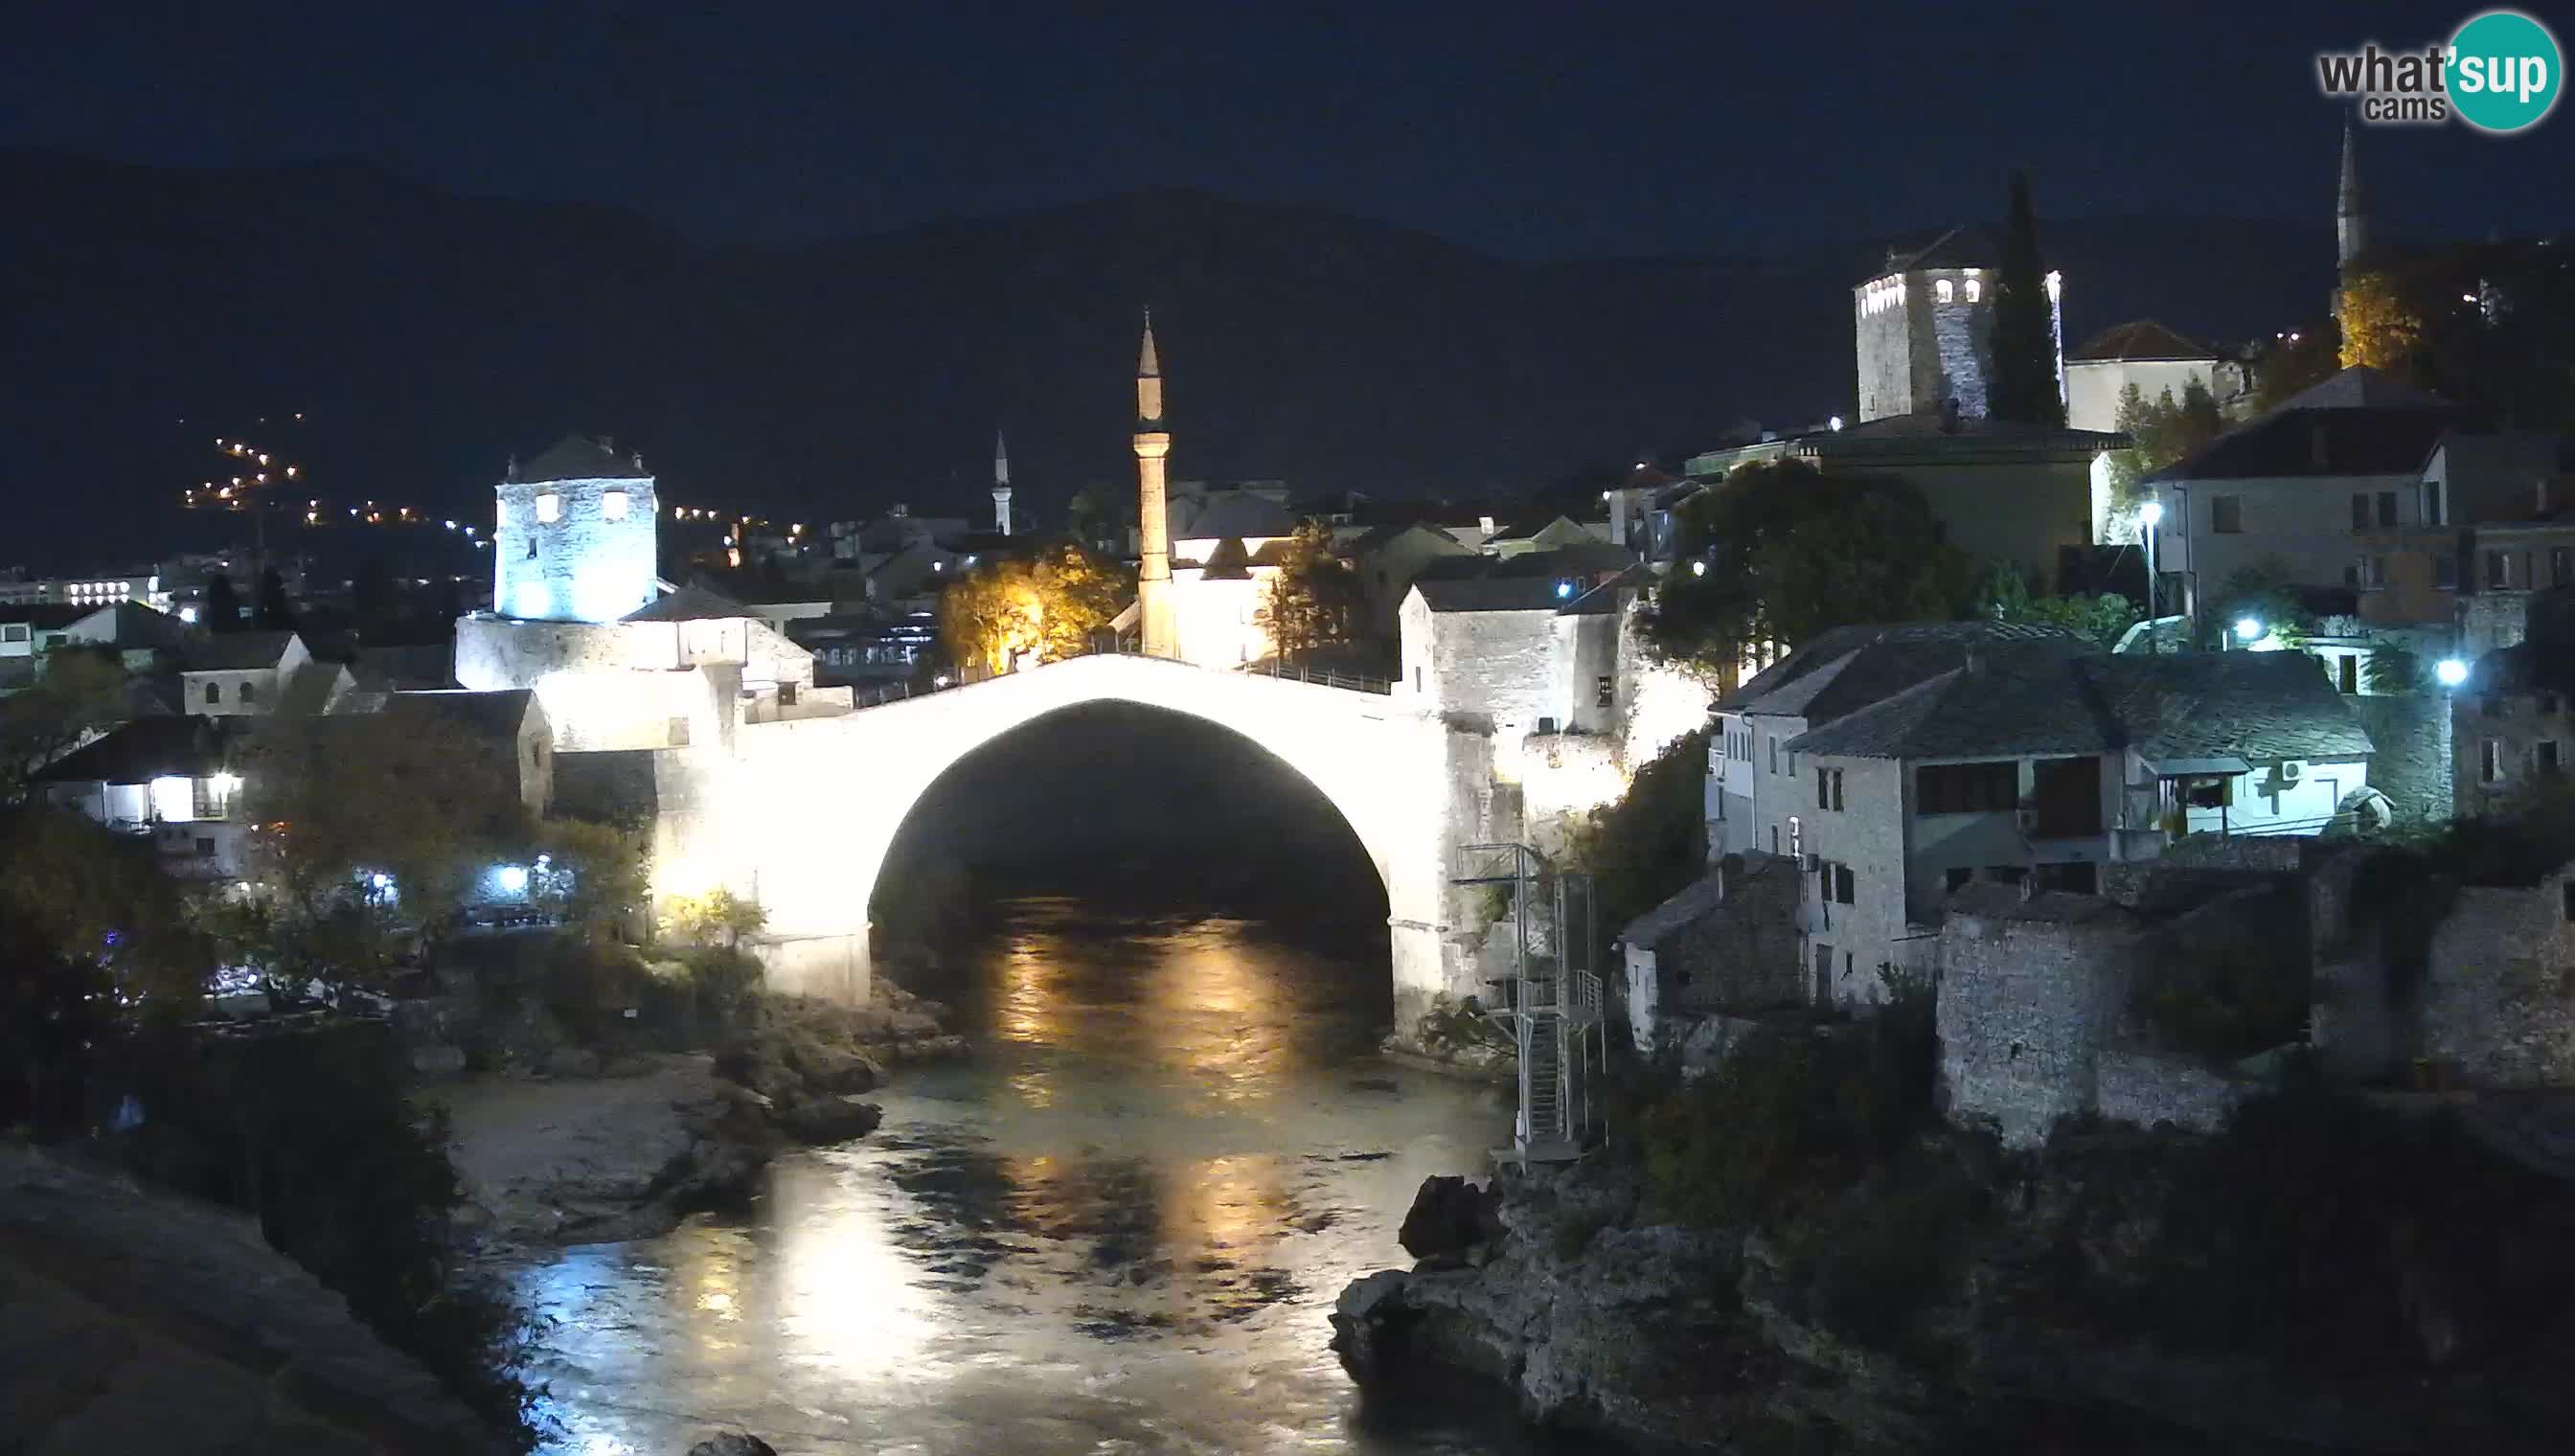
(1160, 634)
(1000, 485)
(2351, 211)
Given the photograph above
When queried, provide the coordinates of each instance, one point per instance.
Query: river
(1118, 1227)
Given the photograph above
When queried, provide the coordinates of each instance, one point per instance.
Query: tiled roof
(1488, 594)
(1226, 561)
(1889, 657)
(579, 457)
(149, 749)
(493, 715)
(1528, 582)
(2140, 340)
(2362, 388)
(1236, 512)
(2010, 701)
(689, 604)
(2321, 442)
(236, 652)
(1695, 901)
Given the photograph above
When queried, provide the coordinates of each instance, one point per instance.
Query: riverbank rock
(605, 1158)
(733, 1443)
(818, 1122)
(1449, 1216)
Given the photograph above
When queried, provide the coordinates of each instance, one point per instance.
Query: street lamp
(2450, 672)
(2152, 513)
(2248, 630)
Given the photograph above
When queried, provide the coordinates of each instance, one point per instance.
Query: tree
(2104, 618)
(1788, 551)
(593, 875)
(366, 834)
(2025, 385)
(445, 603)
(1046, 606)
(79, 695)
(221, 609)
(371, 598)
(719, 916)
(2165, 431)
(272, 611)
(1309, 604)
(2306, 358)
(2379, 328)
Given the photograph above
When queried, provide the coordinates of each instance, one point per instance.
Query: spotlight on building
(1699, 569)
(2248, 629)
(1835, 423)
(188, 615)
(1564, 589)
(380, 881)
(2450, 672)
(2151, 513)
(513, 878)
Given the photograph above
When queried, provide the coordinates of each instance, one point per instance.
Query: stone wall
(581, 565)
(2412, 765)
(2497, 1005)
(2515, 724)
(2030, 997)
(2149, 1089)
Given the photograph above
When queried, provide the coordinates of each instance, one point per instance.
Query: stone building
(2497, 1003)
(2512, 723)
(2146, 354)
(1925, 325)
(576, 535)
(1726, 944)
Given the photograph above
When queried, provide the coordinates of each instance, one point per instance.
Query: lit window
(612, 506)
(1975, 290)
(1945, 290)
(549, 507)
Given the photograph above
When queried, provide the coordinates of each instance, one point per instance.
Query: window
(1945, 290)
(1844, 884)
(2387, 508)
(2445, 571)
(2215, 790)
(2378, 570)
(2490, 762)
(2561, 564)
(2431, 502)
(679, 733)
(1774, 754)
(1956, 789)
(612, 505)
(2498, 571)
(1957, 877)
(1416, 680)
(2544, 756)
(1823, 791)
(1823, 974)
(2347, 672)
(14, 631)
(2359, 510)
(1838, 791)
(549, 507)
(1775, 838)
(249, 693)
(2227, 514)
(205, 848)
(1605, 692)
(1975, 289)
(214, 693)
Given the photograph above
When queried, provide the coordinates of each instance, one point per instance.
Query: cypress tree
(271, 610)
(2024, 343)
(221, 609)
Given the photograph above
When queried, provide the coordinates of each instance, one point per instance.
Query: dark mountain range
(427, 337)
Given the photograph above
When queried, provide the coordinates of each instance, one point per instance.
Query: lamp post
(2152, 513)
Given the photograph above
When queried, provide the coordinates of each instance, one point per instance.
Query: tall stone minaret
(1159, 631)
(2351, 211)
(1001, 484)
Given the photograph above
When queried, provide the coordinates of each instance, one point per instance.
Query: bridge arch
(807, 810)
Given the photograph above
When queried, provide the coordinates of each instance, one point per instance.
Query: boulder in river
(1449, 1216)
(733, 1443)
(821, 1121)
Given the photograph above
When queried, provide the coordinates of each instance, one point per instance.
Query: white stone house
(2304, 486)
(238, 673)
(173, 780)
(2142, 353)
(2024, 763)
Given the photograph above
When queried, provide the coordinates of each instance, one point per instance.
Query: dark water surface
(1118, 1227)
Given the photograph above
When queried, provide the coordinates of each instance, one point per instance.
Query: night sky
(1537, 130)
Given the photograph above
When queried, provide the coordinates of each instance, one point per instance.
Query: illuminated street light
(2248, 629)
(513, 878)
(2450, 672)
(1699, 569)
(2151, 513)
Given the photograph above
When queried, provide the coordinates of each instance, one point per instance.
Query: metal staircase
(1551, 1002)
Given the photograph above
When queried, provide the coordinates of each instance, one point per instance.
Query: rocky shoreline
(1562, 1288)
(593, 1149)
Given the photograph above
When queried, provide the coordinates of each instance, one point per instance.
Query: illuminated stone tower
(1159, 631)
(1001, 484)
(576, 534)
(2351, 218)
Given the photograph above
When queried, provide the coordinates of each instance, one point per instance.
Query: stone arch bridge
(799, 814)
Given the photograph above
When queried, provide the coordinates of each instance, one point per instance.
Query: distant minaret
(1001, 484)
(2351, 209)
(1161, 635)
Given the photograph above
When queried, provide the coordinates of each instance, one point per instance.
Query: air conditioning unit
(1814, 862)
(2290, 769)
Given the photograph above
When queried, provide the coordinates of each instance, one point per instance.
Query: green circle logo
(2505, 71)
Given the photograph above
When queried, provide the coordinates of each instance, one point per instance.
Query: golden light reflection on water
(1229, 1204)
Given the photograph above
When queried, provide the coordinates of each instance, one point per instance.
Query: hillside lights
(2450, 672)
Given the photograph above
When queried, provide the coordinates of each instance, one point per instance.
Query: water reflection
(1117, 1228)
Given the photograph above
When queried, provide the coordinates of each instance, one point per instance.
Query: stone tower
(1924, 327)
(2351, 211)
(1159, 633)
(577, 534)
(1001, 484)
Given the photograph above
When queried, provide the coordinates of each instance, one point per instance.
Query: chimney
(1949, 415)
(1730, 871)
(2029, 885)
(1975, 662)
